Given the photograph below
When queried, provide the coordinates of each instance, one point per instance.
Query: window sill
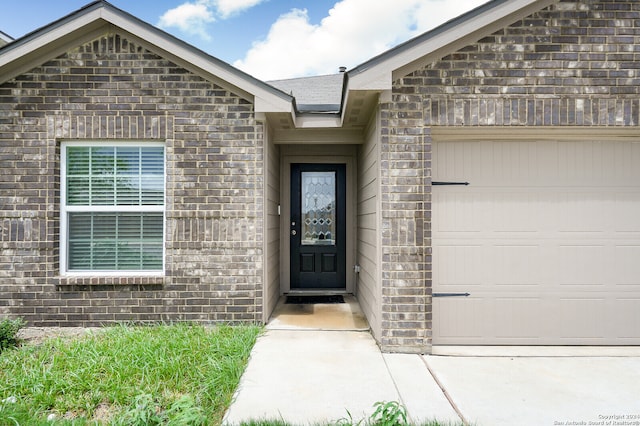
(83, 283)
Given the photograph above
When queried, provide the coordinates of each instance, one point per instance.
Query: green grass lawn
(168, 374)
(174, 375)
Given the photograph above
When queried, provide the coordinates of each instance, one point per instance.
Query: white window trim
(65, 210)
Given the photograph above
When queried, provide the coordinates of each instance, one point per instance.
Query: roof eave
(26, 52)
(380, 72)
(5, 38)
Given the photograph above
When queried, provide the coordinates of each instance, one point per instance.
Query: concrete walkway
(308, 377)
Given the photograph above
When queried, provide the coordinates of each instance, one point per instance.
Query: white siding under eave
(368, 244)
(272, 287)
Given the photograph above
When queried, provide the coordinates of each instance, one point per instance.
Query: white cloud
(227, 8)
(354, 31)
(432, 13)
(191, 18)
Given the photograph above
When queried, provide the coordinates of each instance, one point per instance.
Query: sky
(269, 39)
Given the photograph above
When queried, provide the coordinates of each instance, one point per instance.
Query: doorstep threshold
(317, 292)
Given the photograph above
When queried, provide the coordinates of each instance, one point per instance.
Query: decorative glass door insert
(318, 208)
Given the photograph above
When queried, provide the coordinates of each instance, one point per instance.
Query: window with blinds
(112, 207)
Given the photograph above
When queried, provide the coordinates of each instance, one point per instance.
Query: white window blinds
(114, 207)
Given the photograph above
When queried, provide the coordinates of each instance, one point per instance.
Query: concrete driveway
(307, 377)
(541, 390)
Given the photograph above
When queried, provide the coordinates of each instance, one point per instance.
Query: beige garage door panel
(546, 239)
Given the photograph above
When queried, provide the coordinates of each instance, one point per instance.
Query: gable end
(572, 63)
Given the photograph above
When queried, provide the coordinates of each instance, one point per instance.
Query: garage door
(545, 239)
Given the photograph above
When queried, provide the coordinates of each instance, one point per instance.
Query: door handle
(293, 232)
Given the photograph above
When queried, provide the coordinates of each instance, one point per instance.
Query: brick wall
(575, 63)
(112, 89)
(405, 202)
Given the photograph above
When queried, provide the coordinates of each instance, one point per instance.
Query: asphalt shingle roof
(314, 94)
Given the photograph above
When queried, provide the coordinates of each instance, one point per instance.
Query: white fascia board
(264, 102)
(4, 38)
(380, 75)
(377, 78)
(53, 34)
(318, 136)
(317, 121)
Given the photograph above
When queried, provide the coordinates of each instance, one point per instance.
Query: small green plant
(12, 414)
(348, 421)
(148, 412)
(266, 422)
(185, 411)
(145, 412)
(390, 413)
(9, 332)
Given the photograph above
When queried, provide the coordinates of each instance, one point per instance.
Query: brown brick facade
(575, 63)
(405, 244)
(111, 90)
(572, 64)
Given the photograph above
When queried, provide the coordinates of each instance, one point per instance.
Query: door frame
(292, 154)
